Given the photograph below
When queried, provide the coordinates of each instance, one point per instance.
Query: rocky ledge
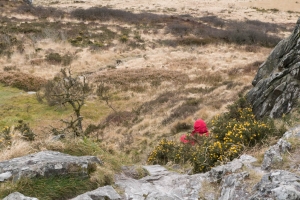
(46, 163)
(240, 179)
(277, 82)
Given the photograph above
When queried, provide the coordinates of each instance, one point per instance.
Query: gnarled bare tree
(66, 89)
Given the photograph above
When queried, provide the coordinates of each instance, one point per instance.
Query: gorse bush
(231, 133)
(25, 131)
(5, 136)
(54, 58)
(181, 126)
(167, 151)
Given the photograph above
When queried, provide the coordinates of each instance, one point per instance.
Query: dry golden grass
(149, 84)
(159, 74)
(17, 149)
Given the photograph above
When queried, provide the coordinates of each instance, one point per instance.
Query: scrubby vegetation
(231, 134)
(138, 81)
(51, 187)
(21, 80)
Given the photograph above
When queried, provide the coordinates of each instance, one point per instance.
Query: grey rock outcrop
(232, 178)
(292, 133)
(46, 163)
(279, 185)
(232, 181)
(161, 184)
(18, 196)
(106, 192)
(276, 84)
(274, 154)
(233, 187)
(216, 174)
(134, 172)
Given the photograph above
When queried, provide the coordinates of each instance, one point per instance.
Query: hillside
(162, 65)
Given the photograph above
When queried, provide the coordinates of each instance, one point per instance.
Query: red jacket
(200, 128)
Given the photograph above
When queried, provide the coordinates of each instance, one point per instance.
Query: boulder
(273, 154)
(231, 178)
(18, 196)
(279, 185)
(46, 163)
(105, 193)
(293, 132)
(216, 174)
(134, 171)
(233, 187)
(161, 184)
(276, 84)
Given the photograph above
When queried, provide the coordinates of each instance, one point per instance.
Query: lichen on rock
(277, 82)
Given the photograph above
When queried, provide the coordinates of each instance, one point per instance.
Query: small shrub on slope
(231, 133)
(5, 136)
(21, 80)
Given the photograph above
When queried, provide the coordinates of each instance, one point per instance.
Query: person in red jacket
(200, 129)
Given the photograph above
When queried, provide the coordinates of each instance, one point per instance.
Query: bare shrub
(66, 89)
(21, 80)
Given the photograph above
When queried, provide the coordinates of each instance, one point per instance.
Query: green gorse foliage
(231, 134)
(5, 136)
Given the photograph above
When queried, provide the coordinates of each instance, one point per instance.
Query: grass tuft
(50, 188)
